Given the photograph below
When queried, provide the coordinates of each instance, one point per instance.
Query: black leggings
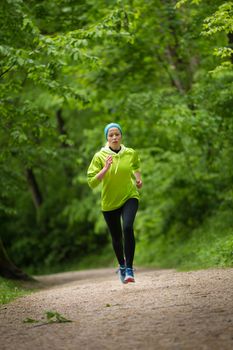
(124, 250)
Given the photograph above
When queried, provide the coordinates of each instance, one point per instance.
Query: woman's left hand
(139, 183)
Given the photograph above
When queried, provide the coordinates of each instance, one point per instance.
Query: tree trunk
(175, 64)
(170, 53)
(61, 126)
(62, 131)
(8, 269)
(34, 188)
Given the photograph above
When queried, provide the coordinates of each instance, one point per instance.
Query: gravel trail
(164, 309)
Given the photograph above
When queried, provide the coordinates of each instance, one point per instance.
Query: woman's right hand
(108, 162)
(103, 171)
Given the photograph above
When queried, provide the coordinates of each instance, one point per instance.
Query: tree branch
(7, 70)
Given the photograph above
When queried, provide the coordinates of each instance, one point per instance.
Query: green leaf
(30, 320)
(55, 317)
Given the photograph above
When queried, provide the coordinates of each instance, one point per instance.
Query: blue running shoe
(121, 273)
(129, 275)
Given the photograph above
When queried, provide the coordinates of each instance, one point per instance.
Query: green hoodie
(118, 183)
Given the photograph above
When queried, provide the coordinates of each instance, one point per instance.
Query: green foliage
(165, 73)
(209, 245)
(220, 21)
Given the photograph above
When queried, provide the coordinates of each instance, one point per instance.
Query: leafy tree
(37, 65)
(163, 69)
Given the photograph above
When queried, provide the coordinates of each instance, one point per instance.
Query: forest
(162, 69)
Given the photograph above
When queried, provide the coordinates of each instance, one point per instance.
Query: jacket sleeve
(93, 169)
(135, 162)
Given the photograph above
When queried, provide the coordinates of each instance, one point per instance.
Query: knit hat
(109, 126)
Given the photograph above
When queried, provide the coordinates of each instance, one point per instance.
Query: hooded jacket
(118, 183)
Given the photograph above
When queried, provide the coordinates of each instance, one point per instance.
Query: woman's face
(114, 138)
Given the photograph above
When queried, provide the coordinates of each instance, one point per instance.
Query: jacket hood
(109, 151)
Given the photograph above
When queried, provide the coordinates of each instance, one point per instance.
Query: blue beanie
(109, 126)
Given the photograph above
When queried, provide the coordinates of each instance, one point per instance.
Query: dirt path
(164, 309)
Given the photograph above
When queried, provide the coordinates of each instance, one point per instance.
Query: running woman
(117, 168)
